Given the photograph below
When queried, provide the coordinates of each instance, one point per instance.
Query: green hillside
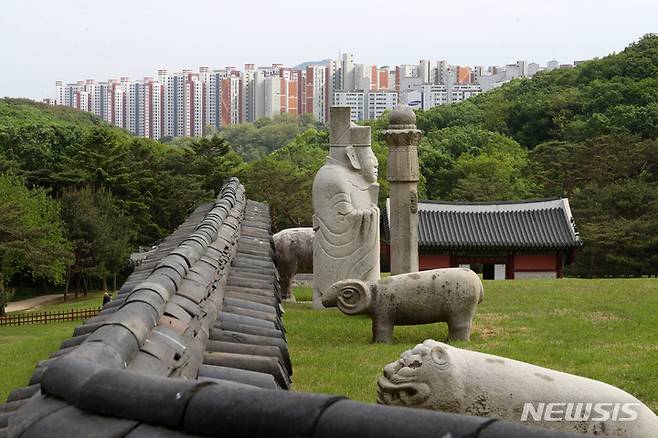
(63, 149)
(25, 112)
(617, 94)
(587, 132)
(114, 191)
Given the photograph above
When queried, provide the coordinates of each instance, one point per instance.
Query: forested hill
(25, 112)
(92, 191)
(617, 94)
(587, 132)
(64, 149)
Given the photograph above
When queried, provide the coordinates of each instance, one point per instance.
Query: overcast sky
(45, 40)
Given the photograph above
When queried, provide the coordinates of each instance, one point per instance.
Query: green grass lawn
(22, 347)
(303, 293)
(601, 329)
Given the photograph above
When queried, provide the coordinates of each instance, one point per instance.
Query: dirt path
(32, 302)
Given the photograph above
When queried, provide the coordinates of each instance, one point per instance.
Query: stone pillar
(402, 138)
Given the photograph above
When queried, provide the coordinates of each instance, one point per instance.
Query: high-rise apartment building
(135, 108)
(523, 68)
(347, 81)
(175, 105)
(117, 104)
(231, 102)
(214, 98)
(477, 73)
(384, 79)
(83, 95)
(69, 94)
(315, 88)
(425, 71)
(193, 105)
(59, 93)
(440, 72)
(274, 100)
(334, 73)
(153, 108)
(290, 95)
(102, 100)
(366, 104)
(533, 68)
(247, 94)
(355, 99)
(378, 101)
(463, 75)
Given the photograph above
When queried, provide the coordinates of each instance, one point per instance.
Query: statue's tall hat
(345, 133)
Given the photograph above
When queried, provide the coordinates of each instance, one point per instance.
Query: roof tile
(545, 224)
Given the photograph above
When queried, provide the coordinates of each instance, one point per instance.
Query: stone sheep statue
(294, 255)
(440, 377)
(440, 295)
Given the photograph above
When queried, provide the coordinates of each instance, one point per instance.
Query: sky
(42, 41)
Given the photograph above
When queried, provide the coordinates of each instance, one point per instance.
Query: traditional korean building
(520, 239)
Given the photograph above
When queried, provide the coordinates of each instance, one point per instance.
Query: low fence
(49, 317)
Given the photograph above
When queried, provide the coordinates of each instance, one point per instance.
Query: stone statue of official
(345, 212)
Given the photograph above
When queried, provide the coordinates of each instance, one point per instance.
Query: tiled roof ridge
(505, 202)
(526, 225)
(117, 341)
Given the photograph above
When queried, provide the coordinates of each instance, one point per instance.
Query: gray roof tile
(542, 224)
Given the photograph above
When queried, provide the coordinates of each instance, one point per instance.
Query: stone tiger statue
(440, 377)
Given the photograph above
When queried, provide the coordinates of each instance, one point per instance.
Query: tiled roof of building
(194, 345)
(541, 224)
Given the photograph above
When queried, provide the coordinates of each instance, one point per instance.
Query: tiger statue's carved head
(428, 376)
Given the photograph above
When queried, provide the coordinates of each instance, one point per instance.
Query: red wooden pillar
(453, 260)
(558, 264)
(509, 267)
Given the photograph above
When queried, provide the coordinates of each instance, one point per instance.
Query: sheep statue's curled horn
(440, 295)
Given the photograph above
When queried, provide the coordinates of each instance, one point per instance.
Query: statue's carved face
(360, 158)
(424, 377)
(369, 164)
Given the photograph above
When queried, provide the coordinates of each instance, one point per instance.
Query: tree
(489, 177)
(285, 187)
(255, 140)
(612, 185)
(471, 163)
(31, 236)
(101, 234)
(284, 179)
(213, 160)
